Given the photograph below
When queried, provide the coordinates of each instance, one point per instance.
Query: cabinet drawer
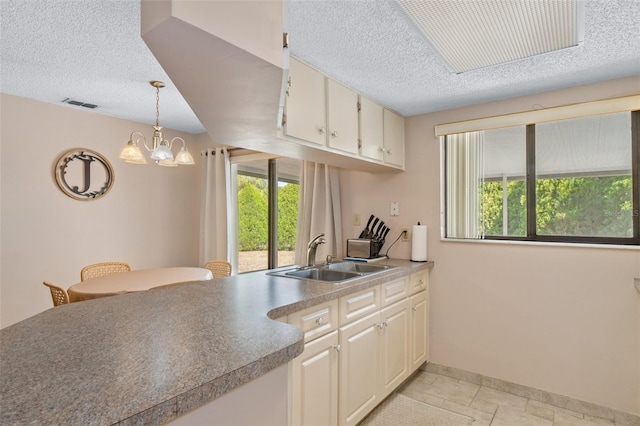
(357, 305)
(393, 291)
(316, 320)
(419, 281)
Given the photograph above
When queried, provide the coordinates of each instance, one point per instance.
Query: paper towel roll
(419, 244)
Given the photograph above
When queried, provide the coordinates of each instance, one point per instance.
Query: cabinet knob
(414, 309)
(337, 348)
(388, 150)
(380, 325)
(320, 321)
(322, 130)
(334, 134)
(385, 323)
(421, 281)
(381, 149)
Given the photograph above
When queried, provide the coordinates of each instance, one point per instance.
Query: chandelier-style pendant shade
(131, 153)
(160, 148)
(167, 163)
(184, 156)
(162, 152)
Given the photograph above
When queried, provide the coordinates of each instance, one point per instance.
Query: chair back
(58, 294)
(219, 268)
(103, 268)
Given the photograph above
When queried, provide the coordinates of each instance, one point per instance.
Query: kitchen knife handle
(365, 232)
(370, 219)
(375, 222)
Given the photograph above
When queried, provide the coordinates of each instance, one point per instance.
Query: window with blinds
(571, 180)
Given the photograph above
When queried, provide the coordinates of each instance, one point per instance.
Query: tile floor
(490, 407)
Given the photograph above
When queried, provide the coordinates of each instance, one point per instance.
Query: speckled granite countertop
(145, 358)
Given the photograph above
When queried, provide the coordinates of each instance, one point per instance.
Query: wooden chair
(103, 268)
(219, 268)
(58, 294)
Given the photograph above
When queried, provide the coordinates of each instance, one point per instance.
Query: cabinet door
(419, 329)
(305, 104)
(371, 142)
(359, 369)
(394, 346)
(393, 138)
(342, 107)
(314, 383)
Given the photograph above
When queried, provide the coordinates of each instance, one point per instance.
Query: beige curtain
(319, 211)
(465, 180)
(216, 235)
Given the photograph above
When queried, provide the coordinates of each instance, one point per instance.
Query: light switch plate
(395, 208)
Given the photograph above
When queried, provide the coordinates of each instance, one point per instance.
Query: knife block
(364, 248)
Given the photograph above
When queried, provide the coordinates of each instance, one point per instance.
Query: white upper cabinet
(371, 137)
(393, 138)
(342, 109)
(381, 133)
(355, 131)
(305, 104)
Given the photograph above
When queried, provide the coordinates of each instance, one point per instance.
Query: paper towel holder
(418, 246)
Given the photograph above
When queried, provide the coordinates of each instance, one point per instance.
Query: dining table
(136, 280)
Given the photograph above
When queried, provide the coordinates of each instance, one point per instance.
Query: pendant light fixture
(160, 148)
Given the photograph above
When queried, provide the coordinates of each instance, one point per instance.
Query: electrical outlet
(406, 237)
(356, 219)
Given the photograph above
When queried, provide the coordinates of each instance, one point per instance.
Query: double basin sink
(336, 273)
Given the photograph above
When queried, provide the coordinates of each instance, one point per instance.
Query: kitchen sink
(321, 274)
(363, 268)
(336, 273)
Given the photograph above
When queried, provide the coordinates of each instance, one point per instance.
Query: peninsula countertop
(151, 356)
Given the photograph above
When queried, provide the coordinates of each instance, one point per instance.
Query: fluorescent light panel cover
(472, 34)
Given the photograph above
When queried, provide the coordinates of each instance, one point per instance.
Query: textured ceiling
(91, 51)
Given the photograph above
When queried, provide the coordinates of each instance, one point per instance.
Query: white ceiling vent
(475, 34)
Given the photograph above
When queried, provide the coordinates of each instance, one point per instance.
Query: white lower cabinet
(359, 391)
(343, 374)
(419, 316)
(374, 360)
(394, 346)
(314, 390)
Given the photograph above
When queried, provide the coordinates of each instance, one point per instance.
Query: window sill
(542, 243)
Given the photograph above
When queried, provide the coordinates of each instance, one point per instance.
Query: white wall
(560, 319)
(45, 235)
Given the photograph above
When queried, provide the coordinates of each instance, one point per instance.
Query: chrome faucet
(313, 246)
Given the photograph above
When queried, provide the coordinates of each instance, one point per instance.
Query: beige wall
(560, 319)
(46, 235)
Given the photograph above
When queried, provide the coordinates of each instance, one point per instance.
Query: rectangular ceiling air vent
(476, 34)
(78, 103)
